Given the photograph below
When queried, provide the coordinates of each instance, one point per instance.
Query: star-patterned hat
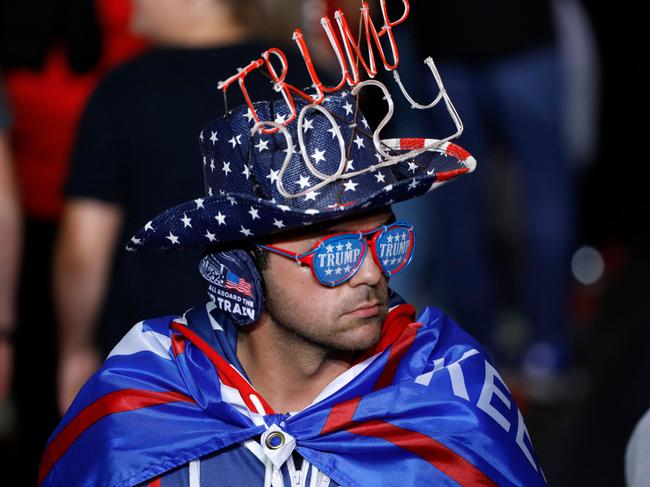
(324, 166)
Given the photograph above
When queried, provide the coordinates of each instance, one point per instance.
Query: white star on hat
(210, 236)
(284, 208)
(212, 165)
(172, 238)
(236, 140)
(221, 218)
(307, 124)
(273, 176)
(201, 138)
(245, 231)
(199, 203)
(136, 241)
(246, 172)
(149, 226)
(293, 148)
(350, 186)
(303, 182)
(226, 167)
(278, 223)
(186, 221)
(254, 213)
(213, 137)
(318, 155)
(262, 145)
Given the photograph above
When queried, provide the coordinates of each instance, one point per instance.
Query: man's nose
(369, 273)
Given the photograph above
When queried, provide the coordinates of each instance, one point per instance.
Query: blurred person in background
(505, 77)
(52, 54)
(10, 239)
(142, 120)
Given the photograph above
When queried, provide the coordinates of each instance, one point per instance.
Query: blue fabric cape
(425, 407)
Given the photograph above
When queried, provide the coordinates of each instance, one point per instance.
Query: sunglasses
(335, 258)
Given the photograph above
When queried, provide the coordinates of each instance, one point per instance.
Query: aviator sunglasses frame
(368, 238)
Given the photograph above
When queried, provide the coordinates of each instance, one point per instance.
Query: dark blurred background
(542, 253)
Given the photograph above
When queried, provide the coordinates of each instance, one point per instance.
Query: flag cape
(424, 407)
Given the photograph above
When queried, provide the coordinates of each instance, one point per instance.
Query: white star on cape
(210, 236)
(359, 141)
(226, 167)
(149, 226)
(136, 241)
(245, 231)
(311, 195)
(380, 177)
(201, 138)
(213, 137)
(307, 124)
(221, 218)
(348, 108)
(249, 115)
(278, 223)
(413, 184)
(199, 203)
(212, 165)
(246, 172)
(172, 238)
(332, 131)
(413, 166)
(349, 166)
(186, 221)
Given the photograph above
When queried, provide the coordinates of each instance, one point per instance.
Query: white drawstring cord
(195, 473)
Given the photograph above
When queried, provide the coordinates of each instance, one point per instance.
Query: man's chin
(361, 334)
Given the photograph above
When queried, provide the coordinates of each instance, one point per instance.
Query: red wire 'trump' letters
(346, 50)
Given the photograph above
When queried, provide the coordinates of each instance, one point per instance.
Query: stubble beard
(337, 333)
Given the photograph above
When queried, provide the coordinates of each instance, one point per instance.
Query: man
(303, 368)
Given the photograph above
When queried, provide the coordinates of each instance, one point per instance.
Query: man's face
(345, 318)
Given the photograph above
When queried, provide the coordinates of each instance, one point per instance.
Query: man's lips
(366, 310)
